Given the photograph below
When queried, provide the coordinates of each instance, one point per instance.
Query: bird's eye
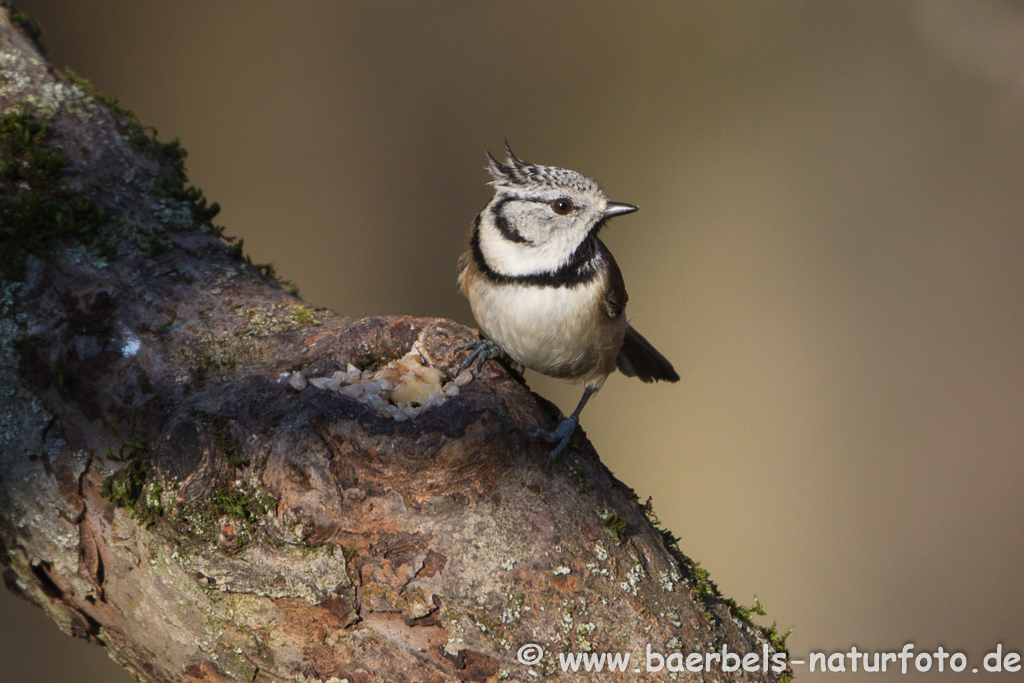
(562, 206)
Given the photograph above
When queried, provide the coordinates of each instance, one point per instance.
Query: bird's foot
(563, 432)
(483, 351)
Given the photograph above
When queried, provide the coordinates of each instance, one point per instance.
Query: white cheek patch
(519, 258)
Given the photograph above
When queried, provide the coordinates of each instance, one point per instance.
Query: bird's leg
(565, 429)
(483, 351)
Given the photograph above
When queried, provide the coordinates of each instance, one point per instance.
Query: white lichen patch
(21, 83)
(633, 577)
(316, 573)
(567, 622)
(302, 678)
(512, 613)
(401, 390)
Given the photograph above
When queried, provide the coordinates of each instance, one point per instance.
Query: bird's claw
(483, 351)
(563, 432)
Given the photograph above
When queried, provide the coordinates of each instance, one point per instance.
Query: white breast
(558, 331)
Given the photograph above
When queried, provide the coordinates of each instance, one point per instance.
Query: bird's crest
(518, 173)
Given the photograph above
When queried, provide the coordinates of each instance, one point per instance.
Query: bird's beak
(618, 209)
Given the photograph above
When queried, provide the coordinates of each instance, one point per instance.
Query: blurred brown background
(830, 249)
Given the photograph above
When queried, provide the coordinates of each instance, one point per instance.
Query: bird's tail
(638, 358)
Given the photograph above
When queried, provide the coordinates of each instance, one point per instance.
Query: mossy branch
(181, 482)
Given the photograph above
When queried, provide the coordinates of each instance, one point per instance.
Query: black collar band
(581, 268)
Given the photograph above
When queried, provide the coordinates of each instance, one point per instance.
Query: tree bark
(173, 489)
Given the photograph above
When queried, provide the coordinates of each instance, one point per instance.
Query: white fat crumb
(401, 390)
(131, 347)
(414, 382)
(559, 571)
(353, 374)
(352, 390)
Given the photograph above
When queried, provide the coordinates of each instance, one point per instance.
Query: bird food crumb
(401, 390)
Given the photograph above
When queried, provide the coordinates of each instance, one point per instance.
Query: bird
(545, 291)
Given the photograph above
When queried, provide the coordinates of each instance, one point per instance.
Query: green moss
(129, 121)
(25, 24)
(148, 237)
(616, 526)
(237, 252)
(771, 633)
(124, 487)
(704, 589)
(304, 315)
(579, 476)
(167, 324)
(226, 444)
(127, 488)
(151, 498)
(745, 615)
(263, 320)
(133, 488)
(35, 207)
(207, 356)
(172, 180)
(25, 159)
(244, 505)
(706, 592)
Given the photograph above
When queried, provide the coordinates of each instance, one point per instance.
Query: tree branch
(174, 488)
